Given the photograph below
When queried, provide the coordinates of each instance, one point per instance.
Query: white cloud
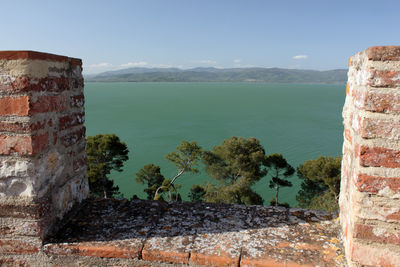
(134, 64)
(100, 65)
(300, 57)
(237, 61)
(206, 61)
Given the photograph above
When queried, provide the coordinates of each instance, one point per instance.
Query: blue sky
(187, 33)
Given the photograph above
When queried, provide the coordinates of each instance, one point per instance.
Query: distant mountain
(273, 75)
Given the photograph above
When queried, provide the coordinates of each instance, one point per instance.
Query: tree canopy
(236, 165)
(186, 159)
(105, 152)
(321, 183)
(150, 175)
(280, 170)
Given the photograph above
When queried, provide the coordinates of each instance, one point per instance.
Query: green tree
(151, 176)
(185, 159)
(321, 183)
(105, 152)
(280, 171)
(197, 193)
(236, 165)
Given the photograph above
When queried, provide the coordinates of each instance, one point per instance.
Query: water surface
(299, 121)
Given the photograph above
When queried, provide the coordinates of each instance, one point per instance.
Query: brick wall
(370, 188)
(42, 145)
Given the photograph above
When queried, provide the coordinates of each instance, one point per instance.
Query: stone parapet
(107, 232)
(370, 187)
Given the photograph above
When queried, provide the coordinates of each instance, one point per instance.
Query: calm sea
(299, 121)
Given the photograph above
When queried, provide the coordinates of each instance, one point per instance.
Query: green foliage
(324, 201)
(167, 188)
(321, 183)
(236, 165)
(185, 159)
(151, 176)
(273, 202)
(105, 152)
(280, 171)
(197, 193)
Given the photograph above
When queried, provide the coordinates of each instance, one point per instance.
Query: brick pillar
(370, 187)
(42, 146)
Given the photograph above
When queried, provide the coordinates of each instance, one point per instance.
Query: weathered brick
(347, 135)
(18, 106)
(21, 126)
(382, 102)
(23, 145)
(48, 104)
(379, 157)
(19, 246)
(165, 256)
(96, 249)
(73, 137)
(213, 260)
(79, 163)
(384, 53)
(26, 84)
(71, 120)
(373, 184)
(384, 78)
(375, 128)
(27, 210)
(374, 256)
(376, 234)
(13, 55)
(77, 101)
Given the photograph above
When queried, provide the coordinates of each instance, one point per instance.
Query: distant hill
(273, 75)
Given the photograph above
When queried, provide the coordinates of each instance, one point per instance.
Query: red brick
(373, 128)
(21, 127)
(40, 143)
(270, 262)
(347, 135)
(26, 84)
(374, 256)
(384, 78)
(213, 260)
(94, 249)
(77, 101)
(373, 184)
(73, 137)
(382, 102)
(165, 256)
(18, 246)
(48, 104)
(27, 211)
(79, 163)
(71, 120)
(384, 53)
(379, 157)
(366, 232)
(10, 261)
(18, 106)
(24, 145)
(12, 55)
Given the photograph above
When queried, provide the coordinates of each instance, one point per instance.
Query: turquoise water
(299, 121)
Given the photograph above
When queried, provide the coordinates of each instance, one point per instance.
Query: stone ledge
(198, 234)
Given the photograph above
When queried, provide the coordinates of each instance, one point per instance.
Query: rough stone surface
(199, 234)
(370, 187)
